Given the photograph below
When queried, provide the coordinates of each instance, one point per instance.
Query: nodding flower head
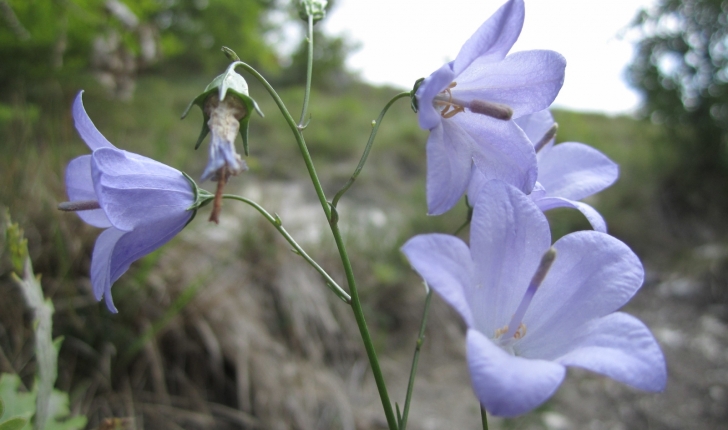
(140, 203)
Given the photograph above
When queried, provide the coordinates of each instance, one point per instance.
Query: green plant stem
(333, 223)
(309, 73)
(278, 224)
(415, 359)
(296, 133)
(368, 148)
(484, 417)
(363, 329)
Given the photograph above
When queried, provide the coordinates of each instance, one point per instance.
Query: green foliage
(43, 39)
(44, 404)
(681, 67)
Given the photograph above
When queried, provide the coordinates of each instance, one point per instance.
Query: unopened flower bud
(314, 8)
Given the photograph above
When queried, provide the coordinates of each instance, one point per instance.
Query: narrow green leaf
(13, 424)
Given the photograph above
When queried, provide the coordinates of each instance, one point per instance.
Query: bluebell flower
(468, 105)
(532, 308)
(567, 172)
(140, 202)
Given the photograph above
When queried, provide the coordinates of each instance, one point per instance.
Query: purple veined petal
(526, 81)
(594, 218)
(135, 190)
(536, 124)
(507, 385)
(427, 115)
(101, 261)
(500, 149)
(449, 157)
(115, 250)
(80, 187)
(593, 275)
(574, 171)
(621, 347)
(508, 236)
(444, 262)
(86, 129)
(495, 37)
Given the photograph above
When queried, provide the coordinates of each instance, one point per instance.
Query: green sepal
(228, 82)
(314, 8)
(202, 197)
(413, 94)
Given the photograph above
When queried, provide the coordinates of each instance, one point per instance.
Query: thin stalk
(355, 301)
(363, 329)
(415, 359)
(309, 73)
(483, 417)
(296, 134)
(277, 223)
(368, 148)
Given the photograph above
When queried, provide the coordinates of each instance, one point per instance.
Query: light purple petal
(495, 37)
(621, 347)
(444, 263)
(135, 190)
(449, 157)
(427, 115)
(507, 385)
(115, 250)
(536, 124)
(594, 218)
(101, 264)
(500, 148)
(593, 275)
(508, 236)
(477, 181)
(80, 187)
(526, 81)
(86, 129)
(574, 171)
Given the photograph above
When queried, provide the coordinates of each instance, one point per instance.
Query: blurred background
(225, 328)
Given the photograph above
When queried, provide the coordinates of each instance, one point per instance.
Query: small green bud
(230, 83)
(314, 8)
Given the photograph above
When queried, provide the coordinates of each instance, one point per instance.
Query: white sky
(402, 40)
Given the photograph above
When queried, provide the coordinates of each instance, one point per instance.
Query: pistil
(452, 106)
(516, 321)
(80, 205)
(550, 134)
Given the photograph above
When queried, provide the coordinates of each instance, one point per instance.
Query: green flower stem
(415, 359)
(296, 133)
(363, 329)
(333, 223)
(278, 224)
(309, 73)
(484, 417)
(368, 148)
